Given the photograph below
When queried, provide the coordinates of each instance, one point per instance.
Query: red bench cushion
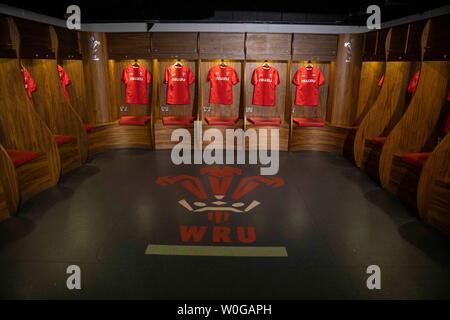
(221, 121)
(88, 127)
(379, 141)
(275, 121)
(177, 121)
(416, 159)
(21, 157)
(309, 122)
(60, 139)
(134, 120)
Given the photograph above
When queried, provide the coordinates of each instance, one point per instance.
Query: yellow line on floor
(215, 251)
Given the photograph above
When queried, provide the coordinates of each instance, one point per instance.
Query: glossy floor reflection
(331, 218)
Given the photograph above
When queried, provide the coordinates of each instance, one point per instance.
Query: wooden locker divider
(123, 49)
(9, 186)
(420, 119)
(70, 58)
(434, 187)
(22, 129)
(49, 99)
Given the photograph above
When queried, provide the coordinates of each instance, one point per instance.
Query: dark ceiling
(273, 11)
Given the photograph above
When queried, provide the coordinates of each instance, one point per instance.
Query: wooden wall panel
(175, 110)
(279, 110)
(414, 45)
(77, 90)
(222, 45)
(318, 47)
(346, 82)
(326, 139)
(8, 47)
(387, 109)
(97, 82)
(319, 111)
(52, 105)
(436, 168)
(421, 118)
(398, 41)
(68, 44)
(370, 45)
(171, 45)
(217, 110)
(128, 45)
(265, 46)
(35, 40)
(118, 88)
(9, 186)
(371, 73)
(438, 46)
(21, 127)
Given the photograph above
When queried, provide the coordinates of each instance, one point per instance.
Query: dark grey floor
(333, 220)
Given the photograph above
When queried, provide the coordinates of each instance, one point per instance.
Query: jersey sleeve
(381, 81)
(234, 77)
(208, 78)
(149, 76)
(124, 76)
(276, 76)
(255, 77)
(191, 77)
(413, 83)
(167, 75)
(321, 80)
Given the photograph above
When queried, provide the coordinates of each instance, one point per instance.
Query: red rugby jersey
(178, 79)
(413, 83)
(222, 79)
(65, 81)
(265, 81)
(136, 79)
(308, 82)
(30, 85)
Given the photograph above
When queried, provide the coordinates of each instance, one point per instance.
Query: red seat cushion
(379, 141)
(21, 157)
(88, 127)
(275, 121)
(60, 139)
(416, 159)
(134, 120)
(177, 121)
(221, 121)
(309, 122)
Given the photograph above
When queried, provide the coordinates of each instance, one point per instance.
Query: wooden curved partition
(421, 118)
(55, 110)
(369, 88)
(77, 90)
(9, 186)
(435, 173)
(387, 108)
(21, 128)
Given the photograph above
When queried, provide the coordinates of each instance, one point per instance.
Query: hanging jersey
(308, 82)
(413, 83)
(178, 79)
(380, 83)
(265, 81)
(222, 79)
(136, 79)
(30, 85)
(65, 81)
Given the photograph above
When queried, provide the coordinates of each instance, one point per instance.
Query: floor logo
(224, 203)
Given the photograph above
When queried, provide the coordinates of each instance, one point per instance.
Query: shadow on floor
(388, 203)
(428, 240)
(14, 229)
